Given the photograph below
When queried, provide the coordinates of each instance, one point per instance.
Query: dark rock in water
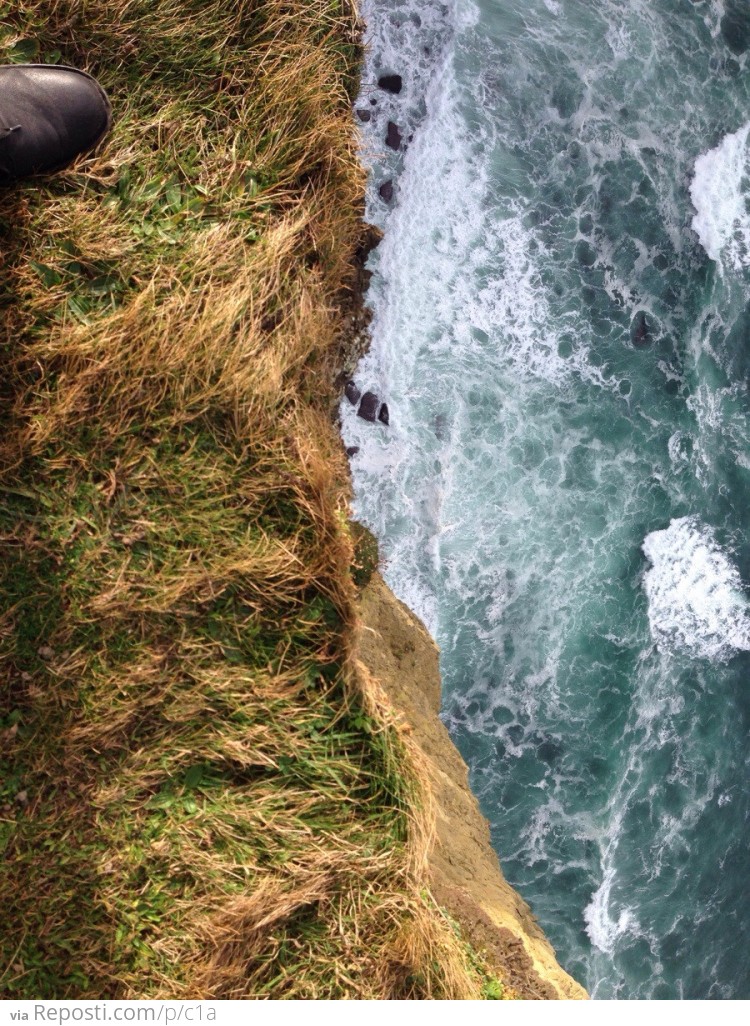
(640, 335)
(391, 83)
(735, 26)
(364, 115)
(515, 734)
(368, 408)
(440, 425)
(352, 450)
(383, 415)
(585, 254)
(352, 393)
(393, 138)
(386, 191)
(549, 749)
(565, 99)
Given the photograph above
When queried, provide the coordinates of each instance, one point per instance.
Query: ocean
(561, 332)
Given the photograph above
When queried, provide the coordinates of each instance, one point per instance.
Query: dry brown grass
(199, 796)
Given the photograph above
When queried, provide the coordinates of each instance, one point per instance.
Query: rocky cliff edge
(465, 874)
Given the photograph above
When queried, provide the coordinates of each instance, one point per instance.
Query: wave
(718, 192)
(695, 596)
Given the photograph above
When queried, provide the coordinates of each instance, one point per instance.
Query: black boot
(48, 116)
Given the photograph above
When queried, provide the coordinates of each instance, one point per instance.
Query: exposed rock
(371, 239)
(352, 393)
(352, 450)
(368, 408)
(363, 115)
(393, 136)
(386, 191)
(391, 83)
(383, 415)
(466, 877)
(640, 335)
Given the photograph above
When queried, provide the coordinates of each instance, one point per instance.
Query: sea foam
(603, 929)
(718, 192)
(695, 597)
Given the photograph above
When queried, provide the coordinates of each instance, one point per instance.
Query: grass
(199, 795)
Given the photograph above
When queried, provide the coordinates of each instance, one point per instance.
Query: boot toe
(81, 105)
(61, 113)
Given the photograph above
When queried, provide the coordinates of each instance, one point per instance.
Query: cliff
(464, 871)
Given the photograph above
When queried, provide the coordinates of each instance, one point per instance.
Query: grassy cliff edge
(202, 794)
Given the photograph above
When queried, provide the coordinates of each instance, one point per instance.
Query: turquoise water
(562, 494)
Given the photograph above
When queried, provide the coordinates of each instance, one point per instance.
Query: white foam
(603, 929)
(718, 192)
(695, 598)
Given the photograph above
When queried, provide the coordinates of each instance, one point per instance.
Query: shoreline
(395, 649)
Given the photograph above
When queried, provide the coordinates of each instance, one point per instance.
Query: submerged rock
(393, 136)
(585, 254)
(352, 450)
(548, 749)
(383, 416)
(363, 115)
(640, 334)
(735, 26)
(368, 408)
(386, 191)
(352, 393)
(391, 83)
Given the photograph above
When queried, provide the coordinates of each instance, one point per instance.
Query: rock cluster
(370, 407)
(393, 84)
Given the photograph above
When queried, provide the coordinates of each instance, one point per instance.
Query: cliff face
(465, 874)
